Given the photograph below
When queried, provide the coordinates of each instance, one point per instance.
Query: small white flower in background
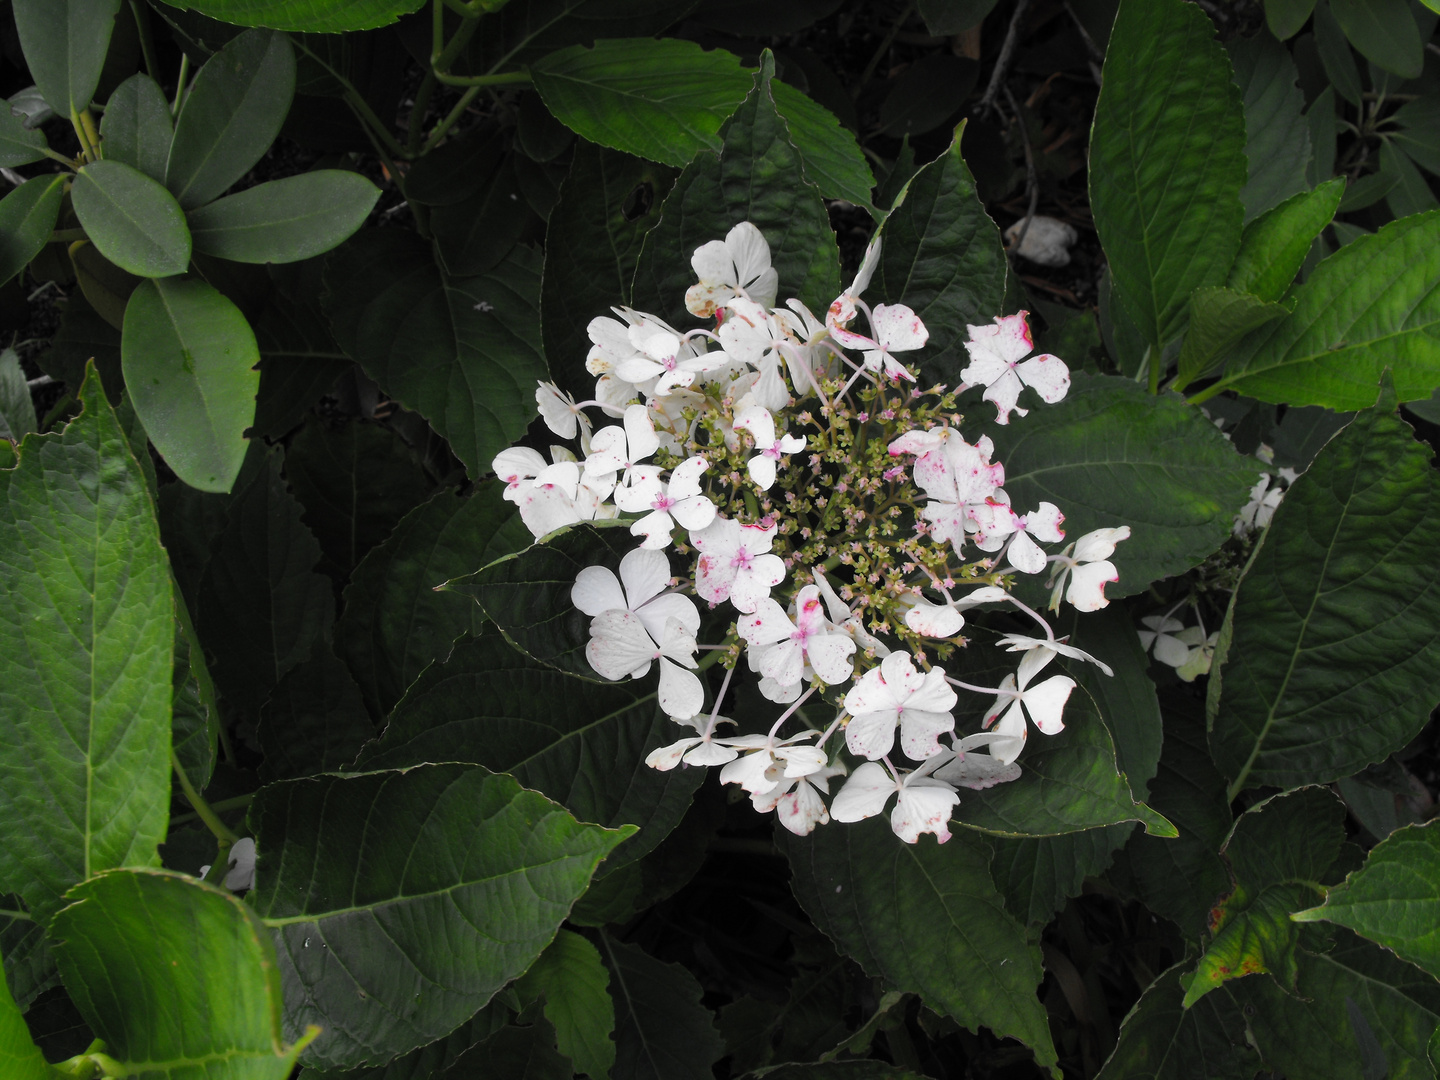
(680, 501)
(620, 645)
(969, 768)
(896, 694)
(924, 803)
(560, 413)
(740, 262)
(1159, 636)
(768, 448)
(735, 563)
(799, 804)
(240, 872)
(769, 759)
(1202, 652)
(644, 575)
(780, 649)
(996, 353)
(1044, 703)
(1260, 508)
(1086, 564)
(1047, 241)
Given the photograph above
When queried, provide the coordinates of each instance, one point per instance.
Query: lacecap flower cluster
(834, 505)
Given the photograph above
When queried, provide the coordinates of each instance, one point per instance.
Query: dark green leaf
(842, 1070)
(659, 99)
(17, 410)
(524, 31)
(662, 1032)
(1411, 193)
(231, 116)
(313, 17)
(1275, 244)
(27, 215)
(1321, 118)
(1335, 55)
(174, 975)
(1167, 161)
(1110, 455)
(65, 43)
(915, 915)
(462, 352)
(285, 220)
(833, 160)
(194, 714)
(314, 720)
(137, 127)
(1328, 658)
(20, 1058)
(431, 1060)
(927, 93)
(537, 133)
(131, 219)
(1277, 143)
(389, 939)
(941, 255)
(456, 170)
(1385, 32)
(85, 660)
(29, 964)
(1219, 317)
(1419, 131)
(517, 1053)
(474, 234)
(1036, 875)
(299, 360)
(1286, 17)
(576, 988)
(19, 145)
(946, 17)
(1161, 1040)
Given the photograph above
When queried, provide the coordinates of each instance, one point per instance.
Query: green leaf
(285, 220)
(194, 711)
(177, 977)
(833, 160)
(756, 177)
(491, 704)
(1411, 193)
(431, 1060)
(1385, 32)
(1219, 317)
(131, 219)
(17, 410)
(85, 660)
(20, 1058)
(1317, 1032)
(29, 965)
(391, 938)
(312, 17)
(1036, 875)
(462, 352)
(1335, 55)
(314, 720)
(576, 988)
(456, 170)
(524, 1053)
(915, 915)
(474, 234)
(662, 1031)
(231, 115)
(1167, 161)
(946, 17)
(941, 255)
(1419, 130)
(841, 1070)
(659, 99)
(1111, 455)
(189, 358)
(525, 31)
(1327, 661)
(1161, 1040)
(1277, 144)
(1275, 244)
(65, 42)
(1393, 899)
(136, 127)
(27, 216)
(1286, 17)
(19, 145)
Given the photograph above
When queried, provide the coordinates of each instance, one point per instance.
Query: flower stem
(211, 819)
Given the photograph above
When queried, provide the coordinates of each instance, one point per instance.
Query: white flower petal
(864, 794)
(597, 589)
(681, 694)
(871, 735)
(1045, 703)
(924, 806)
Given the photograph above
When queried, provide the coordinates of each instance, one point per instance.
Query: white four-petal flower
(1044, 703)
(896, 694)
(1087, 564)
(780, 649)
(735, 563)
(924, 803)
(768, 448)
(739, 263)
(996, 353)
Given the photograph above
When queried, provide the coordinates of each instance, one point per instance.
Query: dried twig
(1032, 181)
(1097, 54)
(1007, 49)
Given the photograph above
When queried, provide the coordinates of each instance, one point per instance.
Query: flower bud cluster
(831, 505)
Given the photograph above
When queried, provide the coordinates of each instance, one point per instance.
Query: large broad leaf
(1111, 455)
(285, 220)
(85, 660)
(659, 99)
(137, 126)
(576, 988)
(1219, 317)
(834, 162)
(1160, 1040)
(1359, 1014)
(1329, 658)
(1395, 897)
(1277, 144)
(1371, 305)
(662, 1032)
(608, 201)
(299, 360)
(231, 116)
(1167, 161)
(1274, 245)
(189, 358)
(19, 145)
(314, 720)
(27, 217)
(462, 352)
(915, 915)
(526, 1052)
(474, 234)
(17, 408)
(175, 976)
(65, 42)
(941, 255)
(582, 744)
(1036, 875)
(430, 1060)
(390, 938)
(312, 17)
(131, 219)
(20, 1058)
(757, 177)
(1385, 33)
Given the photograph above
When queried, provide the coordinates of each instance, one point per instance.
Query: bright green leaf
(1385, 32)
(131, 219)
(833, 160)
(1167, 161)
(189, 359)
(20, 1058)
(1286, 17)
(1275, 244)
(136, 127)
(311, 16)
(17, 410)
(19, 145)
(576, 988)
(391, 938)
(1277, 143)
(285, 220)
(231, 116)
(659, 99)
(1328, 658)
(1219, 317)
(65, 42)
(1160, 1040)
(85, 659)
(662, 1031)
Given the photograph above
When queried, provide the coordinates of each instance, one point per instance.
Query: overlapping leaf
(65, 45)
(662, 1031)
(312, 17)
(1161, 1040)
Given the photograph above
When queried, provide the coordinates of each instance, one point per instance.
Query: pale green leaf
(131, 219)
(137, 127)
(19, 145)
(305, 16)
(65, 42)
(285, 220)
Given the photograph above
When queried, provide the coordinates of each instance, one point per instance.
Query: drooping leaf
(1111, 455)
(137, 127)
(833, 160)
(20, 1058)
(391, 938)
(85, 660)
(131, 219)
(314, 720)
(1335, 55)
(65, 42)
(1275, 244)
(1219, 317)
(27, 216)
(524, 31)
(1277, 144)
(1419, 127)
(1167, 161)
(285, 220)
(175, 976)
(1286, 17)
(314, 17)
(582, 744)
(941, 255)
(231, 115)
(462, 352)
(1411, 193)
(17, 410)
(915, 914)
(1369, 306)
(189, 358)
(1385, 33)
(1328, 658)
(576, 988)
(1036, 875)
(29, 963)
(757, 176)
(1161, 1040)
(19, 145)
(662, 1031)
